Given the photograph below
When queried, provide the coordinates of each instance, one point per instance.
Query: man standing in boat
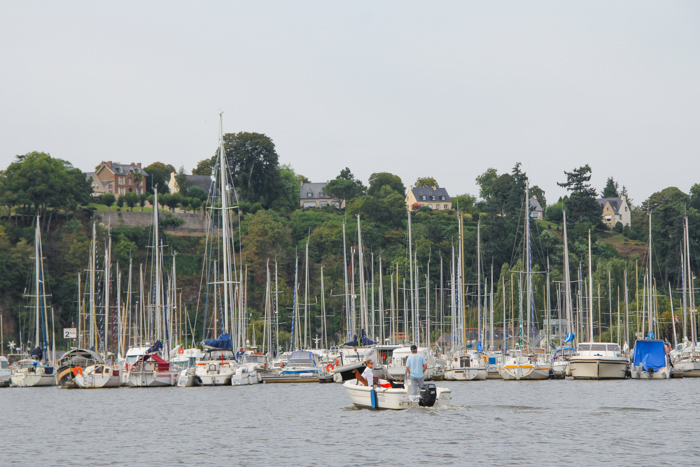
(415, 369)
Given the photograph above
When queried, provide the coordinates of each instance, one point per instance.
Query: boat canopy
(222, 343)
(301, 356)
(157, 347)
(352, 343)
(366, 340)
(650, 354)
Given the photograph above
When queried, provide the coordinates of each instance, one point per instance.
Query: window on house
(432, 197)
(422, 198)
(442, 198)
(323, 204)
(310, 194)
(608, 218)
(437, 206)
(445, 206)
(430, 206)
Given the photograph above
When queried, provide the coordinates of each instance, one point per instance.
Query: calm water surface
(489, 422)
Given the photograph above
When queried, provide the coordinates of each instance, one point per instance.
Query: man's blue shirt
(415, 363)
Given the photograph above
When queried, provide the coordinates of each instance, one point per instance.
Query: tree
(197, 192)
(611, 189)
(181, 180)
(485, 182)
(131, 199)
(120, 202)
(108, 199)
(159, 175)
(253, 163)
(344, 187)
(539, 194)
(287, 191)
(40, 181)
(581, 205)
(426, 182)
(381, 179)
(205, 166)
(463, 202)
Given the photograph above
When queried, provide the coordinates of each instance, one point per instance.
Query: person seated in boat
(367, 376)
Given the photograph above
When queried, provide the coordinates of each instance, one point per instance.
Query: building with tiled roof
(432, 197)
(119, 179)
(615, 210)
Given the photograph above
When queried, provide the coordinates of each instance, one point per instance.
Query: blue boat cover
(650, 354)
(569, 337)
(364, 340)
(650, 335)
(157, 347)
(479, 347)
(223, 342)
(352, 343)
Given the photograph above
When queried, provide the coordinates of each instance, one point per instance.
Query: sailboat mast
(590, 290)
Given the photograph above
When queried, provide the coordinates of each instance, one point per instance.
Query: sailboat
(37, 370)
(152, 366)
(597, 360)
(218, 364)
(523, 364)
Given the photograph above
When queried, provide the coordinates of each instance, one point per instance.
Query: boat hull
(466, 374)
(594, 368)
(524, 372)
(688, 369)
(151, 379)
(389, 398)
(32, 380)
(662, 373)
(92, 379)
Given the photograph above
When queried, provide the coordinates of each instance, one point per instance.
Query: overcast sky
(443, 89)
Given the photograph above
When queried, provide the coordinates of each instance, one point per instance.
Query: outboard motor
(428, 395)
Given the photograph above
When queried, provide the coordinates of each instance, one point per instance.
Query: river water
(491, 422)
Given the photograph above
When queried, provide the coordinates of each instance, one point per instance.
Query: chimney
(109, 164)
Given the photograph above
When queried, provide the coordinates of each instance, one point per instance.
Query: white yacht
(467, 367)
(686, 359)
(97, 377)
(33, 374)
(522, 367)
(151, 370)
(650, 360)
(598, 360)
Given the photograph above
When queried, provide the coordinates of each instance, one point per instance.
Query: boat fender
(77, 370)
(180, 350)
(336, 362)
(329, 367)
(373, 397)
(264, 366)
(281, 364)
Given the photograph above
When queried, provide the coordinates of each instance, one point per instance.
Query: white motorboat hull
(215, 373)
(638, 373)
(523, 372)
(598, 368)
(466, 374)
(390, 398)
(32, 380)
(688, 368)
(151, 379)
(89, 379)
(187, 378)
(243, 378)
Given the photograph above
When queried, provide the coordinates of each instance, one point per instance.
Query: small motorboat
(392, 395)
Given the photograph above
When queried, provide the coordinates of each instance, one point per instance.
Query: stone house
(615, 210)
(432, 197)
(312, 196)
(118, 179)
